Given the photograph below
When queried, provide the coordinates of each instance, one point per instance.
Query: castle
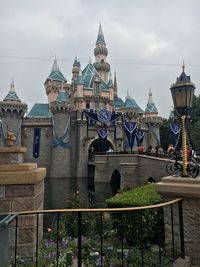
(80, 119)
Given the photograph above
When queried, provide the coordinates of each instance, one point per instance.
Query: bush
(138, 227)
(140, 196)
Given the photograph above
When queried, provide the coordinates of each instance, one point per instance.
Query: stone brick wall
(134, 170)
(189, 190)
(21, 189)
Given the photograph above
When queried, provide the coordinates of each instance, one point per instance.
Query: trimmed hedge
(138, 227)
(140, 196)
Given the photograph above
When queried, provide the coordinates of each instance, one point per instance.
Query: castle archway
(98, 146)
(115, 182)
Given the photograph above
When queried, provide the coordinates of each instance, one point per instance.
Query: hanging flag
(139, 137)
(175, 129)
(36, 142)
(130, 130)
(103, 133)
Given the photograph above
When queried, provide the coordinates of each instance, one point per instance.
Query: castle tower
(11, 113)
(151, 110)
(61, 170)
(54, 82)
(153, 122)
(75, 69)
(101, 53)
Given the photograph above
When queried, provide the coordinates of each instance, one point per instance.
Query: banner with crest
(139, 137)
(130, 130)
(36, 142)
(175, 130)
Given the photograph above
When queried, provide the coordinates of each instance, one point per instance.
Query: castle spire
(101, 52)
(12, 95)
(150, 108)
(100, 36)
(115, 85)
(127, 95)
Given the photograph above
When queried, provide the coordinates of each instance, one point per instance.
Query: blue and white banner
(130, 130)
(103, 133)
(175, 129)
(139, 137)
(103, 116)
(36, 142)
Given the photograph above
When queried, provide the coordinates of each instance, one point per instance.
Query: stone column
(189, 190)
(21, 189)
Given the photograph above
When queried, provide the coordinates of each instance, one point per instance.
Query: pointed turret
(110, 82)
(56, 74)
(130, 103)
(101, 53)
(115, 86)
(151, 109)
(54, 82)
(12, 95)
(100, 37)
(12, 111)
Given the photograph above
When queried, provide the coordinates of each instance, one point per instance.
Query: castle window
(96, 88)
(87, 104)
(102, 60)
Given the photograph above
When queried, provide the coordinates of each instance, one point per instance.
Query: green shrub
(140, 196)
(137, 227)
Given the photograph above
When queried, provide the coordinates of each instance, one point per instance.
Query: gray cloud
(146, 39)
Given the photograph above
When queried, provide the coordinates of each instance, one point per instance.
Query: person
(110, 150)
(160, 150)
(149, 149)
(141, 149)
(170, 149)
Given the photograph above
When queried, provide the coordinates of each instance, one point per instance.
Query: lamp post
(182, 94)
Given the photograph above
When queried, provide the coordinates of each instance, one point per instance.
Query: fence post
(181, 227)
(79, 238)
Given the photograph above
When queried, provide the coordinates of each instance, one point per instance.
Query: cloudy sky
(147, 41)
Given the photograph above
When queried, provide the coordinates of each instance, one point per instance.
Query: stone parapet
(21, 189)
(12, 155)
(189, 190)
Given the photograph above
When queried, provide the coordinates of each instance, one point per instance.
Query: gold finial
(183, 66)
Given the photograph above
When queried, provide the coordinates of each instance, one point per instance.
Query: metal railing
(112, 236)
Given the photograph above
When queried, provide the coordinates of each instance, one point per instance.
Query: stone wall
(134, 170)
(21, 189)
(189, 190)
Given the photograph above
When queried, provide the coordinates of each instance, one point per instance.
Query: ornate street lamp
(182, 94)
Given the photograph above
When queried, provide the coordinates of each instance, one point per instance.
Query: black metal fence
(139, 236)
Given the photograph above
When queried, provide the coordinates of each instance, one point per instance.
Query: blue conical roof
(100, 37)
(131, 103)
(151, 108)
(56, 74)
(12, 95)
(118, 103)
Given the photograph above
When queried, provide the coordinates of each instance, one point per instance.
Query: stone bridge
(114, 172)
